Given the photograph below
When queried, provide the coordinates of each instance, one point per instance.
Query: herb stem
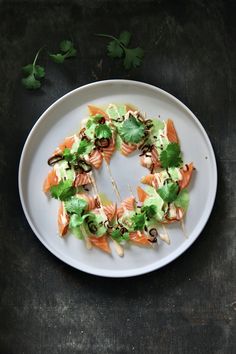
(112, 37)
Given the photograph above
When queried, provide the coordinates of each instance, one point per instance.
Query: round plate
(63, 119)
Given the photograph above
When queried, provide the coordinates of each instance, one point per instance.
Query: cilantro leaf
(117, 48)
(63, 190)
(67, 51)
(118, 236)
(132, 130)
(171, 156)
(85, 147)
(103, 131)
(75, 205)
(149, 211)
(182, 200)
(133, 57)
(138, 221)
(68, 156)
(168, 192)
(114, 50)
(33, 74)
(76, 221)
(124, 38)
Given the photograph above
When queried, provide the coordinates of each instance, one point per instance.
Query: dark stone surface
(188, 306)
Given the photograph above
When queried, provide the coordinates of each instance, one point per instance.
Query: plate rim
(137, 271)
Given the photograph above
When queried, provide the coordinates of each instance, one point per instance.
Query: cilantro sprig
(168, 192)
(33, 74)
(103, 131)
(118, 236)
(67, 51)
(63, 191)
(138, 221)
(171, 156)
(132, 130)
(118, 48)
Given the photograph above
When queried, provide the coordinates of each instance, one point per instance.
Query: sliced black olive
(153, 232)
(123, 230)
(102, 120)
(92, 227)
(84, 166)
(102, 143)
(145, 149)
(54, 159)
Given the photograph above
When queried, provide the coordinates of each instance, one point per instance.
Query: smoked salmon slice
(110, 211)
(142, 195)
(100, 242)
(139, 238)
(50, 180)
(93, 110)
(126, 204)
(81, 179)
(186, 173)
(150, 180)
(127, 149)
(95, 158)
(171, 132)
(62, 220)
(108, 152)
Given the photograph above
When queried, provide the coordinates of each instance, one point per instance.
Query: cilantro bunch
(118, 48)
(142, 218)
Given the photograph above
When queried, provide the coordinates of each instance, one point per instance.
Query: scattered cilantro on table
(132, 130)
(67, 51)
(118, 48)
(171, 156)
(33, 74)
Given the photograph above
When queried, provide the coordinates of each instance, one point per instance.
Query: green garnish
(102, 131)
(149, 211)
(34, 73)
(138, 221)
(171, 156)
(168, 192)
(132, 130)
(76, 221)
(67, 51)
(118, 236)
(85, 147)
(75, 205)
(117, 48)
(63, 191)
(68, 156)
(182, 200)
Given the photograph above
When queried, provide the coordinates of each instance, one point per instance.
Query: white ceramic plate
(63, 119)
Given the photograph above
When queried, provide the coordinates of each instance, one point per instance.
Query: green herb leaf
(132, 130)
(67, 51)
(85, 147)
(68, 156)
(171, 156)
(103, 131)
(133, 57)
(119, 237)
(34, 74)
(168, 192)
(124, 38)
(182, 200)
(117, 48)
(149, 211)
(114, 50)
(76, 221)
(75, 205)
(63, 190)
(138, 221)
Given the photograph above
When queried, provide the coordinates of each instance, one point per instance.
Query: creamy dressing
(172, 211)
(63, 215)
(61, 171)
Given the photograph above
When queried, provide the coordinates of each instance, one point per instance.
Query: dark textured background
(188, 306)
